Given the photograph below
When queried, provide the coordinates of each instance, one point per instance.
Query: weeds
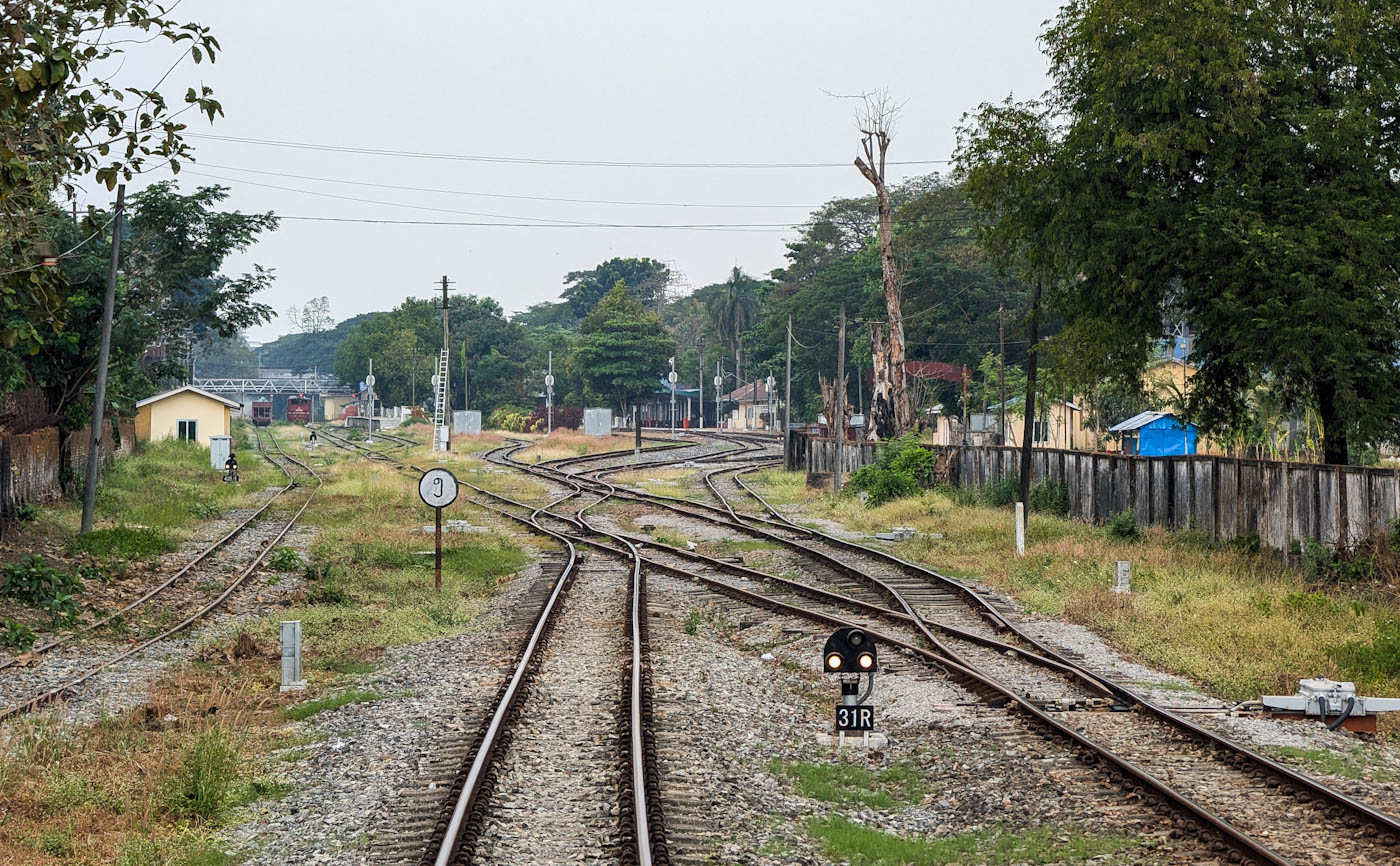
(1124, 526)
(306, 710)
(692, 622)
(122, 542)
(845, 840)
(851, 783)
(15, 635)
(902, 468)
(201, 785)
(286, 559)
(34, 582)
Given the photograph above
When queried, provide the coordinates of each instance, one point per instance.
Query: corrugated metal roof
(1142, 419)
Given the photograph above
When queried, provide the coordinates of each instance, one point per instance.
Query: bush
(26, 512)
(1322, 563)
(1050, 497)
(902, 468)
(1001, 492)
(16, 635)
(33, 581)
(512, 419)
(1124, 525)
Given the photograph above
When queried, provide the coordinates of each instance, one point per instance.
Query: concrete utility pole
(719, 386)
(671, 379)
(838, 424)
(787, 399)
(104, 351)
(1001, 372)
(369, 383)
(700, 348)
(447, 378)
(549, 394)
(466, 392)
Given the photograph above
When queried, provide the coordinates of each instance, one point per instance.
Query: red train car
(299, 409)
(262, 413)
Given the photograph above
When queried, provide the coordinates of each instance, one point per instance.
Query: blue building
(1156, 434)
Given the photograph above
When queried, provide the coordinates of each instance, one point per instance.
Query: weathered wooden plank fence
(40, 467)
(1280, 503)
(814, 454)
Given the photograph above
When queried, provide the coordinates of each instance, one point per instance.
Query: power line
(540, 220)
(519, 160)
(716, 227)
(505, 196)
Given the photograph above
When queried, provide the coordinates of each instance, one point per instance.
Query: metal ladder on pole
(440, 406)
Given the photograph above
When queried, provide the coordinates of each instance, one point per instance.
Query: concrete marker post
(291, 656)
(1020, 529)
(1123, 575)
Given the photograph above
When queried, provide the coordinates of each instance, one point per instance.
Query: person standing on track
(231, 467)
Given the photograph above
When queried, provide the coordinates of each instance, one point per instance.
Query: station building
(184, 413)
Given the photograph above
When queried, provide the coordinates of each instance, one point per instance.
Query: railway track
(1214, 790)
(1248, 801)
(514, 758)
(202, 565)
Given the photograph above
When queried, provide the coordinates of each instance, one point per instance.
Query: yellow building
(185, 413)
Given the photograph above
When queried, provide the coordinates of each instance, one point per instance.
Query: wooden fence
(39, 467)
(816, 454)
(1280, 503)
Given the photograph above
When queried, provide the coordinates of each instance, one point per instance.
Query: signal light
(850, 649)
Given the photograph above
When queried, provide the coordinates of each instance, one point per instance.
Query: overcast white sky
(639, 81)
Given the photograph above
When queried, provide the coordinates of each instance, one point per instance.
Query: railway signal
(849, 653)
(438, 488)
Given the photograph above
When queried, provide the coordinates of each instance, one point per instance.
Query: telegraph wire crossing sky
(506, 146)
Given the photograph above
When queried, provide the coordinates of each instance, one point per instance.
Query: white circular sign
(719, 381)
(771, 382)
(549, 381)
(673, 377)
(438, 488)
(369, 380)
(435, 380)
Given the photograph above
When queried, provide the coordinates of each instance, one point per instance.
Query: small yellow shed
(185, 413)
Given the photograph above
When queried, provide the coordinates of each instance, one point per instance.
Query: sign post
(369, 428)
(438, 488)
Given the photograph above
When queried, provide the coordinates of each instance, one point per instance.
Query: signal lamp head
(850, 649)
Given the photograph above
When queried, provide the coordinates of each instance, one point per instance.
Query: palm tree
(732, 311)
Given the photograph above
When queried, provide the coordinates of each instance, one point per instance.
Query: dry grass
(99, 793)
(684, 483)
(1240, 624)
(569, 443)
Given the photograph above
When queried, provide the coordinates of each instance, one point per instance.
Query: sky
(714, 82)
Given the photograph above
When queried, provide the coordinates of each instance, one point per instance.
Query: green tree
(173, 249)
(1235, 166)
(622, 348)
(732, 311)
(63, 116)
(646, 279)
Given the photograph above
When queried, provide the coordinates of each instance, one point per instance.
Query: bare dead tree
(889, 404)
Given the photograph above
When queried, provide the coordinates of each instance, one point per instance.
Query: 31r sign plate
(438, 488)
(861, 718)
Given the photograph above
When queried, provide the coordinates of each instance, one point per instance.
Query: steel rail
(649, 842)
(58, 691)
(1246, 846)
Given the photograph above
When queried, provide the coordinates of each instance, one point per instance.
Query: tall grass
(1241, 624)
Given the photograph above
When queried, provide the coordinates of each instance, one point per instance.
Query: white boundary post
(1020, 529)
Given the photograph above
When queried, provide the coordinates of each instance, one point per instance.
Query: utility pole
(369, 383)
(104, 351)
(787, 399)
(838, 424)
(719, 383)
(549, 394)
(1001, 372)
(1031, 363)
(671, 378)
(447, 375)
(466, 392)
(700, 348)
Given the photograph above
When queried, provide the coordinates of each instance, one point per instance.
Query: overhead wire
(558, 223)
(519, 160)
(473, 193)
